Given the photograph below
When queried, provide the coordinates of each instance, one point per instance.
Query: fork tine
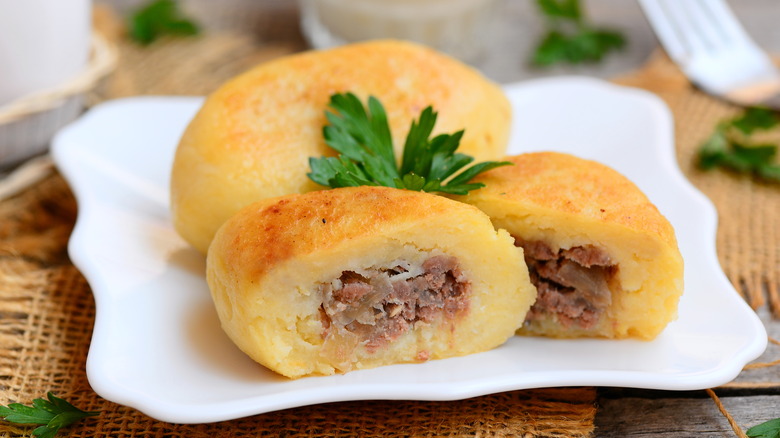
(687, 27)
(666, 28)
(705, 39)
(703, 28)
(722, 17)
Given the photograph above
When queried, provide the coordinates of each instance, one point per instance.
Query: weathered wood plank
(752, 398)
(691, 416)
(769, 375)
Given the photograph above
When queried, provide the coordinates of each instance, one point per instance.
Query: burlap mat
(47, 310)
(748, 239)
(46, 318)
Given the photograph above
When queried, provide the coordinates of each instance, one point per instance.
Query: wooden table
(630, 412)
(645, 413)
(621, 412)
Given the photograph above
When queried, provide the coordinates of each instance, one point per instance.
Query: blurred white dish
(44, 43)
(456, 27)
(157, 344)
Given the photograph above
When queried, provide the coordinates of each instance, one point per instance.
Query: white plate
(157, 345)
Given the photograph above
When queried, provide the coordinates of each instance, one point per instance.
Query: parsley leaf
(569, 38)
(362, 138)
(756, 119)
(769, 429)
(52, 414)
(730, 146)
(158, 18)
(566, 9)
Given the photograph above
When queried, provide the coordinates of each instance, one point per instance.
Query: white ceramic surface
(43, 43)
(457, 27)
(157, 345)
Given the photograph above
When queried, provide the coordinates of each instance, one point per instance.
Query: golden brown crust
(571, 185)
(276, 230)
(253, 137)
(269, 263)
(566, 202)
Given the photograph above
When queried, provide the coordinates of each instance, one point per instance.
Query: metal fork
(712, 48)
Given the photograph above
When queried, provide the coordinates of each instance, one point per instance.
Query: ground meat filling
(573, 284)
(379, 305)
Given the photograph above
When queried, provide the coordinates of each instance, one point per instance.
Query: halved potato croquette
(603, 258)
(331, 281)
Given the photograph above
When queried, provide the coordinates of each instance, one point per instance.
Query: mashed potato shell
(566, 202)
(253, 137)
(267, 262)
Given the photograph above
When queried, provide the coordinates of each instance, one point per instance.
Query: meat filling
(379, 305)
(572, 284)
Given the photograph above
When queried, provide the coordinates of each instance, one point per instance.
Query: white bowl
(28, 124)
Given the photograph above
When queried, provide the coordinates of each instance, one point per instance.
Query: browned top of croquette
(570, 185)
(274, 230)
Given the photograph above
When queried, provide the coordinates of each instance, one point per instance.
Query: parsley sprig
(367, 157)
(731, 146)
(570, 38)
(52, 414)
(769, 429)
(157, 18)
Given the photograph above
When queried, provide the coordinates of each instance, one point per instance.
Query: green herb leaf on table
(730, 146)
(362, 138)
(756, 119)
(566, 9)
(52, 414)
(769, 429)
(569, 38)
(157, 18)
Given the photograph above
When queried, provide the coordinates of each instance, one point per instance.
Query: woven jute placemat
(47, 310)
(748, 238)
(46, 318)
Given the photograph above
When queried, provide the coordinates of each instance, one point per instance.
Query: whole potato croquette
(253, 137)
